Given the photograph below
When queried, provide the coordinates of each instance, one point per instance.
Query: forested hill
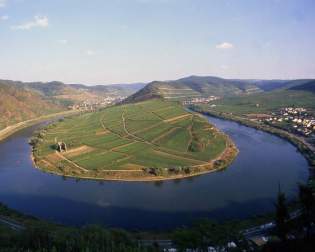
(309, 87)
(17, 104)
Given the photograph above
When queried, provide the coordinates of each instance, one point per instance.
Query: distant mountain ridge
(202, 86)
(55, 88)
(25, 100)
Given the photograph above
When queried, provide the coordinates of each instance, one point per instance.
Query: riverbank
(8, 131)
(307, 150)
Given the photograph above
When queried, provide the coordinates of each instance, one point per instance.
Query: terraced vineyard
(149, 140)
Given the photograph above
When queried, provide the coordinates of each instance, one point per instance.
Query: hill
(194, 86)
(110, 90)
(69, 94)
(271, 85)
(17, 104)
(266, 102)
(204, 86)
(150, 140)
(280, 94)
(308, 87)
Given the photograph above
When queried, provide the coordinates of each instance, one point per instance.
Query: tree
(307, 202)
(282, 215)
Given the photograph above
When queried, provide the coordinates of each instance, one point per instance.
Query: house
(61, 147)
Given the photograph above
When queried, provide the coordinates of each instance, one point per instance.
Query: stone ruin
(61, 147)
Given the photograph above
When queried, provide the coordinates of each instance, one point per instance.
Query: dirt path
(189, 128)
(176, 118)
(180, 157)
(71, 162)
(164, 134)
(126, 130)
(148, 128)
(11, 223)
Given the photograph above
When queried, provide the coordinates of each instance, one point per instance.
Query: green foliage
(282, 215)
(307, 203)
(43, 237)
(205, 233)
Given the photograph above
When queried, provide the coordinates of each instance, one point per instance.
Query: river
(246, 188)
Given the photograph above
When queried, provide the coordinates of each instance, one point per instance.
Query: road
(12, 224)
(265, 229)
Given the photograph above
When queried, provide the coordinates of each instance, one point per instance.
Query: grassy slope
(153, 133)
(17, 105)
(268, 102)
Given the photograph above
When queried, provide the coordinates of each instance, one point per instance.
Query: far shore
(306, 149)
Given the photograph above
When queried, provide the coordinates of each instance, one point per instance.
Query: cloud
(4, 17)
(62, 41)
(224, 45)
(90, 52)
(3, 3)
(38, 21)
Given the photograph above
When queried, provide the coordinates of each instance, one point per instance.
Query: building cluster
(169, 246)
(299, 120)
(204, 100)
(61, 147)
(90, 105)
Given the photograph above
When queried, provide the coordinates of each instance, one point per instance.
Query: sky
(125, 41)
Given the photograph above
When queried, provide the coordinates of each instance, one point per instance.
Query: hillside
(21, 101)
(68, 94)
(308, 87)
(17, 104)
(115, 89)
(271, 85)
(296, 93)
(150, 140)
(194, 86)
(203, 86)
(266, 102)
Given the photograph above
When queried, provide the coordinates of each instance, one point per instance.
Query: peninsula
(144, 141)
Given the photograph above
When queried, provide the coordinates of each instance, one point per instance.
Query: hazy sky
(119, 41)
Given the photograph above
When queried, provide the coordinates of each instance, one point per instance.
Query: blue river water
(246, 188)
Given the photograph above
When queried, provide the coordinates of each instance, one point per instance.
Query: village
(92, 105)
(200, 100)
(296, 120)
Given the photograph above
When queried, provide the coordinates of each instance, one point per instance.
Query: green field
(154, 134)
(265, 102)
